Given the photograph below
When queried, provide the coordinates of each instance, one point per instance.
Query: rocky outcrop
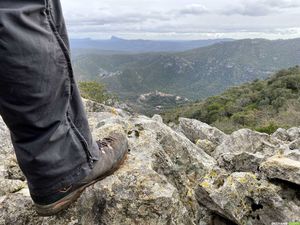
(246, 199)
(284, 168)
(245, 149)
(194, 174)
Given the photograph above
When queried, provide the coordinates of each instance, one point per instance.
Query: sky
(182, 19)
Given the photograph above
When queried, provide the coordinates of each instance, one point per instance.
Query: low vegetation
(263, 105)
(95, 91)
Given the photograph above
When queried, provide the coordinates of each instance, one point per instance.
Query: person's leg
(42, 107)
(39, 100)
(76, 109)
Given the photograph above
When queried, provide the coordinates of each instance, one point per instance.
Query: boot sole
(64, 203)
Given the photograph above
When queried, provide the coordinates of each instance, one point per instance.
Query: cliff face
(188, 174)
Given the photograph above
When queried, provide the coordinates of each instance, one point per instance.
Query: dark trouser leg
(39, 99)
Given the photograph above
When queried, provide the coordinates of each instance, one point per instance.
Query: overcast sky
(182, 19)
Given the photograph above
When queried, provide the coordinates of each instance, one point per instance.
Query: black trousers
(39, 98)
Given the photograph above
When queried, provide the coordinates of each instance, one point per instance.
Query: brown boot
(113, 151)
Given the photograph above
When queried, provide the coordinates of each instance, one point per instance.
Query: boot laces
(105, 142)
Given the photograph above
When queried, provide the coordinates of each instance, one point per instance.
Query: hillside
(192, 74)
(263, 105)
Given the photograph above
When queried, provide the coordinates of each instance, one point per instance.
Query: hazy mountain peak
(115, 38)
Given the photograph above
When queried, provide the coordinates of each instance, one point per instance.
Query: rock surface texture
(194, 175)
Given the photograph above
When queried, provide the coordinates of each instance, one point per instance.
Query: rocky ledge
(191, 174)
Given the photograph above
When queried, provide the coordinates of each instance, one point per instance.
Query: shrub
(95, 91)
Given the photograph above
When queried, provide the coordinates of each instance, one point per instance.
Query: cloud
(259, 7)
(176, 19)
(193, 9)
(286, 4)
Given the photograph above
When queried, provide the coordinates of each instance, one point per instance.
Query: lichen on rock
(192, 174)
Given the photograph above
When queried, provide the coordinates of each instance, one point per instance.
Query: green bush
(252, 105)
(269, 129)
(95, 91)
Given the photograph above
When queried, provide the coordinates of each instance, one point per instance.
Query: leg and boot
(41, 105)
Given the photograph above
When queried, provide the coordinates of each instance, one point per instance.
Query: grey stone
(281, 134)
(245, 149)
(295, 144)
(196, 130)
(167, 179)
(10, 186)
(281, 167)
(155, 185)
(157, 118)
(294, 133)
(245, 199)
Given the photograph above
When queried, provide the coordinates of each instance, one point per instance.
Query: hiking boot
(113, 151)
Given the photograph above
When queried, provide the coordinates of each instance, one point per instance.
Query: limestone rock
(12, 169)
(295, 144)
(196, 130)
(281, 134)
(5, 143)
(245, 199)
(245, 149)
(155, 185)
(294, 133)
(293, 154)
(167, 179)
(283, 168)
(10, 186)
(206, 145)
(157, 118)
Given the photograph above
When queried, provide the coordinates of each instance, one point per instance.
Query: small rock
(283, 168)
(244, 199)
(12, 168)
(245, 149)
(10, 186)
(294, 133)
(295, 144)
(281, 134)
(157, 118)
(196, 130)
(206, 145)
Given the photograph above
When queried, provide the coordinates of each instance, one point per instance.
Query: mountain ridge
(140, 45)
(193, 74)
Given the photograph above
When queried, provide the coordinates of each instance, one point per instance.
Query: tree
(95, 91)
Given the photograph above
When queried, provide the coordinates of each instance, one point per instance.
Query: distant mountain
(263, 105)
(122, 45)
(192, 74)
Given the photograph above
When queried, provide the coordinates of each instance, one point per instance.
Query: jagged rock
(5, 143)
(294, 154)
(12, 169)
(206, 145)
(283, 168)
(295, 144)
(245, 199)
(287, 135)
(245, 149)
(10, 186)
(154, 186)
(157, 118)
(294, 133)
(281, 134)
(167, 179)
(196, 130)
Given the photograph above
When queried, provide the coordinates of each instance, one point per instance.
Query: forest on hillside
(262, 105)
